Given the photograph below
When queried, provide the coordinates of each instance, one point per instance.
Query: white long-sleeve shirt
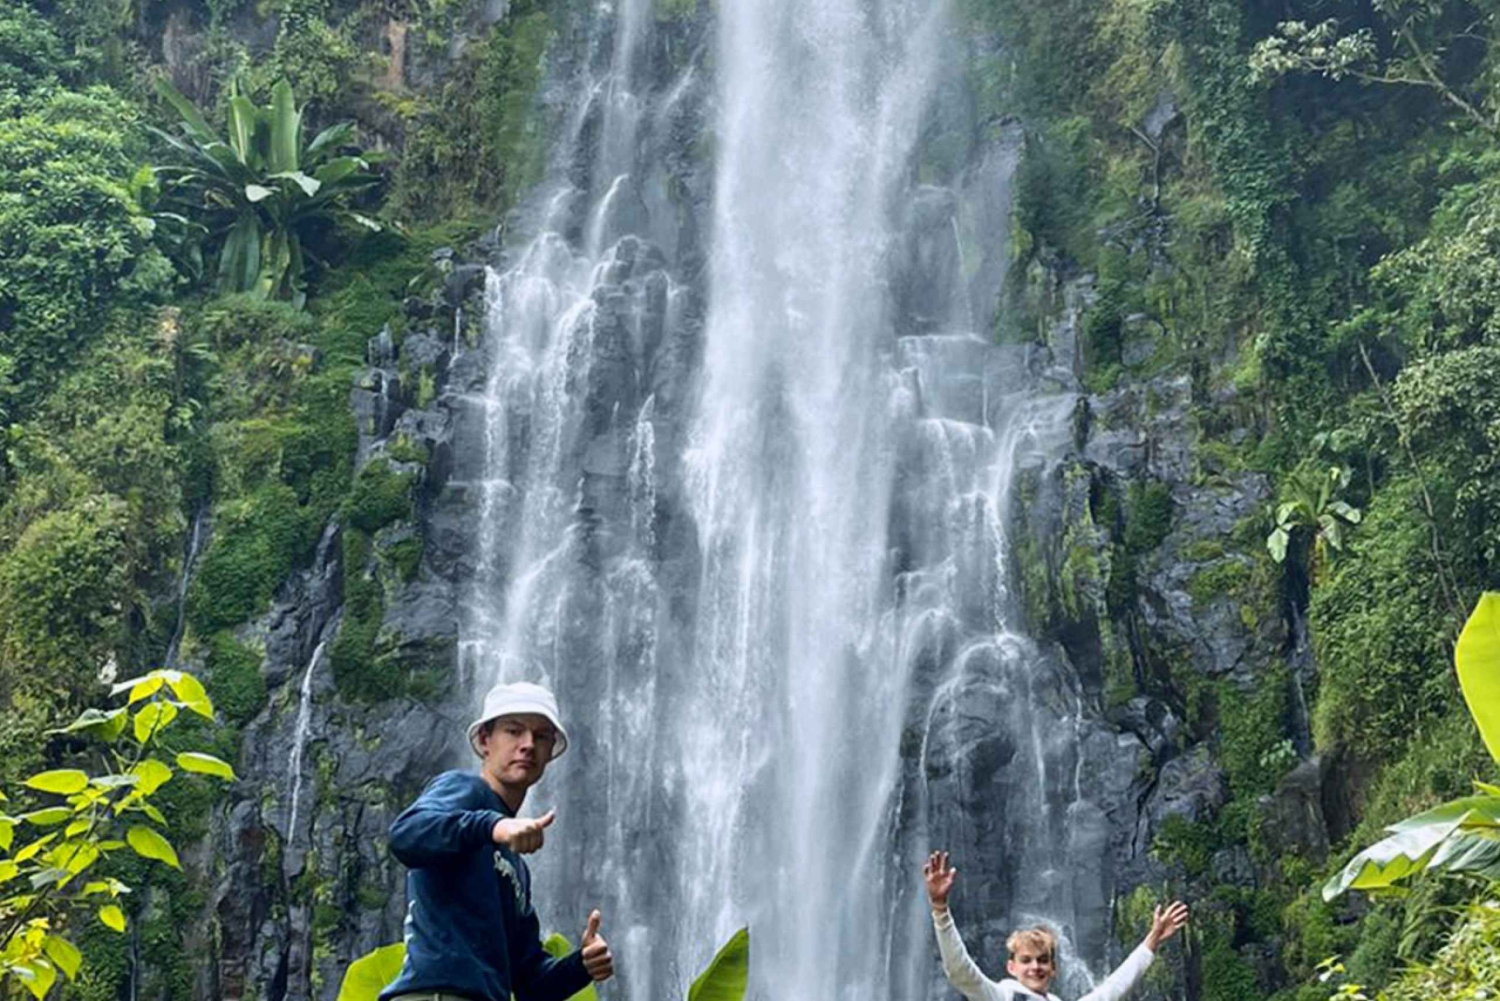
(965, 976)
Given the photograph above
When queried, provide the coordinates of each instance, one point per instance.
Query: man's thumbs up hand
(522, 835)
(596, 958)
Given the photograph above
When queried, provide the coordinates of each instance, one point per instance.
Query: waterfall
(189, 561)
(750, 520)
(300, 734)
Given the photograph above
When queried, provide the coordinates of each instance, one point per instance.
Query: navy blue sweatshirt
(470, 926)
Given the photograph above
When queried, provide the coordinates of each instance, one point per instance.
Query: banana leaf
(1477, 656)
(727, 974)
(1446, 837)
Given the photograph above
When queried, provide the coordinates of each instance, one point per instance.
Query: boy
(471, 932)
(1033, 951)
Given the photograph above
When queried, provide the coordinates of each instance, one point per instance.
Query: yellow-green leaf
(43, 976)
(368, 975)
(189, 691)
(9, 871)
(205, 764)
(81, 859)
(108, 782)
(152, 774)
(36, 846)
(77, 827)
(112, 917)
(63, 781)
(7, 833)
(149, 844)
(106, 725)
(64, 955)
(1477, 656)
(154, 813)
(46, 818)
(153, 719)
(143, 687)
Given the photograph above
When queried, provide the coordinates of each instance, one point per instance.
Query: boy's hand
(939, 877)
(522, 834)
(597, 960)
(1165, 922)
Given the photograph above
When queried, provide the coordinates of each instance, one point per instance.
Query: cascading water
(752, 528)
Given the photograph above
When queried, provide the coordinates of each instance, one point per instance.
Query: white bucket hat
(517, 698)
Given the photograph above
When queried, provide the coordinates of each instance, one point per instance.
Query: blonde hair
(1039, 939)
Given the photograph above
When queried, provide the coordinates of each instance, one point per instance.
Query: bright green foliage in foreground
(1462, 835)
(61, 836)
(726, 978)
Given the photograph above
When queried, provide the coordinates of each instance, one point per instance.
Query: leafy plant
(262, 191)
(1462, 835)
(1418, 37)
(86, 819)
(1313, 507)
(726, 977)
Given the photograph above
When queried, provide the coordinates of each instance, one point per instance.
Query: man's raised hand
(597, 961)
(939, 876)
(1165, 922)
(523, 835)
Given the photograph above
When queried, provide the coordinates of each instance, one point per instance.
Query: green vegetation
(726, 978)
(74, 835)
(260, 195)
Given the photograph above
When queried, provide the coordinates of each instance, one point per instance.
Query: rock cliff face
(1050, 760)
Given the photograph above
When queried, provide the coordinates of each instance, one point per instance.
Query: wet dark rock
(461, 282)
(1294, 821)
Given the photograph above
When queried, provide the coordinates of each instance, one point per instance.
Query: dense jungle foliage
(1312, 222)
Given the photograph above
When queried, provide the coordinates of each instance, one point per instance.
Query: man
(471, 932)
(1033, 951)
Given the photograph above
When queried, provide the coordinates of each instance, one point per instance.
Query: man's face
(1033, 969)
(517, 748)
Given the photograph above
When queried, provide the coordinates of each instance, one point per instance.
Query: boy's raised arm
(1165, 922)
(960, 969)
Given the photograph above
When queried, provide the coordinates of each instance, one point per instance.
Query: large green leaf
(192, 119)
(242, 125)
(1477, 656)
(239, 260)
(149, 844)
(205, 764)
(105, 725)
(64, 955)
(338, 168)
(327, 141)
(152, 719)
(63, 781)
(309, 185)
(368, 975)
(727, 974)
(1421, 842)
(286, 128)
